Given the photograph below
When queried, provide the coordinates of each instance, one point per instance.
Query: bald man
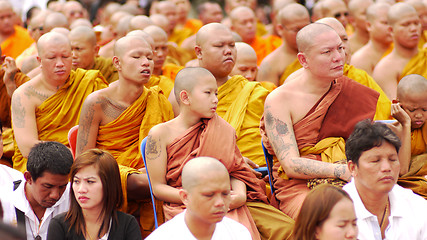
(80, 22)
(230, 5)
(311, 107)
(358, 75)
(204, 216)
(421, 9)
(291, 19)
(411, 130)
(73, 10)
(200, 130)
(139, 22)
(47, 106)
(183, 8)
(160, 53)
(117, 118)
(85, 53)
(243, 22)
(13, 38)
(53, 20)
(357, 10)
(336, 9)
(118, 29)
(380, 39)
(405, 58)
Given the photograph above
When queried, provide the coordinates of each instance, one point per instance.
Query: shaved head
(53, 20)
(124, 44)
(80, 22)
(246, 62)
(142, 34)
(411, 84)
(236, 13)
(156, 32)
(61, 30)
(205, 32)
(139, 22)
(398, 10)
(187, 78)
(333, 23)
(196, 169)
(84, 33)
(306, 36)
(122, 27)
(49, 39)
(292, 11)
(244, 49)
(372, 11)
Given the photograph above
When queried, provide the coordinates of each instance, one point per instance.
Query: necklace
(384, 214)
(37, 237)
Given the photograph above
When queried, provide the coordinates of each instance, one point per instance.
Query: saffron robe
(273, 42)
(384, 104)
(295, 65)
(334, 116)
(61, 111)
(107, 69)
(193, 24)
(170, 70)
(15, 44)
(260, 46)
(417, 65)
(179, 35)
(241, 104)
(415, 178)
(165, 83)
(216, 138)
(122, 138)
(179, 54)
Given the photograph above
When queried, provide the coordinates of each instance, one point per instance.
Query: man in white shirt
(43, 194)
(384, 210)
(206, 194)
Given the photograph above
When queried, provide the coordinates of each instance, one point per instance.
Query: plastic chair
(72, 139)
(269, 162)
(142, 148)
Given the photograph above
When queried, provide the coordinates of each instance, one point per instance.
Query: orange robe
(417, 64)
(193, 24)
(165, 83)
(295, 65)
(61, 111)
(179, 54)
(179, 35)
(260, 46)
(122, 138)
(107, 69)
(335, 115)
(170, 70)
(415, 178)
(213, 138)
(273, 42)
(17, 42)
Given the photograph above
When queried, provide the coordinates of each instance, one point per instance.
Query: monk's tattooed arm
(18, 112)
(153, 149)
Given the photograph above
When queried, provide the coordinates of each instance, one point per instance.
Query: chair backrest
(72, 139)
(269, 162)
(153, 202)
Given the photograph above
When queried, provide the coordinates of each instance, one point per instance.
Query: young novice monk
(410, 110)
(199, 131)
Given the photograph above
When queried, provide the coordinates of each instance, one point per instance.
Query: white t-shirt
(177, 229)
(407, 220)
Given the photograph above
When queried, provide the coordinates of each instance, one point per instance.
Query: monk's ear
(183, 194)
(198, 51)
(116, 63)
(184, 97)
(302, 58)
(279, 29)
(368, 26)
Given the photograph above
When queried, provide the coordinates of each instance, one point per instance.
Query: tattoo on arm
(18, 112)
(339, 171)
(84, 125)
(152, 148)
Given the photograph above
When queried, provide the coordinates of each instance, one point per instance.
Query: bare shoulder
(385, 65)
(164, 132)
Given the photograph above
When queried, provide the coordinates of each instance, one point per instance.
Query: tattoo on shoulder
(30, 91)
(152, 148)
(109, 108)
(18, 112)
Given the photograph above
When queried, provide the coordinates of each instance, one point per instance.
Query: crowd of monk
(223, 86)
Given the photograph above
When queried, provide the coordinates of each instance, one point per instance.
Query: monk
(161, 51)
(357, 11)
(308, 118)
(139, 22)
(246, 65)
(409, 111)
(199, 131)
(230, 5)
(54, 20)
(421, 9)
(243, 22)
(118, 32)
(85, 53)
(117, 118)
(291, 19)
(73, 10)
(380, 39)
(13, 38)
(183, 8)
(358, 75)
(46, 107)
(336, 9)
(405, 58)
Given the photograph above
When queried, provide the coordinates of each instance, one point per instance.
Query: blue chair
(142, 148)
(269, 162)
(262, 170)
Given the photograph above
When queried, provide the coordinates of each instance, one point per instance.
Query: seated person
(95, 194)
(384, 210)
(44, 192)
(206, 193)
(307, 119)
(199, 131)
(117, 118)
(48, 106)
(410, 112)
(326, 213)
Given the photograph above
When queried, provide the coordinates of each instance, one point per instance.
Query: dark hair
(108, 172)
(367, 135)
(316, 209)
(53, 157)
